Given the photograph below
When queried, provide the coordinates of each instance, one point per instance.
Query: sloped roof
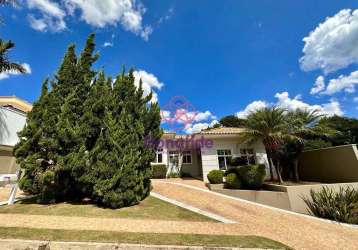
(222, 131)
(16, 103)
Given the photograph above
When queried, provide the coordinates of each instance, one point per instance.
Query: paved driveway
(293, 230)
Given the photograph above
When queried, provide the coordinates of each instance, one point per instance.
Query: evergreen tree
(28, 151)
(85, 137)
(120, 161)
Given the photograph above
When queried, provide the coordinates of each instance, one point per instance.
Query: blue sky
(222, 57)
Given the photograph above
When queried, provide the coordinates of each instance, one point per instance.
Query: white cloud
(284, 101)
(4, 75)
(203, 116)
(107, 44)
(329, 109)
(52, 16)
(150, 83)
(128, 13)
(255, 105)
(197, 127)
(342, 83)
(318, 86)
(333, 44)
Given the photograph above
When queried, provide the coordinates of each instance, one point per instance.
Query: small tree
(269, 126)
(303, 125)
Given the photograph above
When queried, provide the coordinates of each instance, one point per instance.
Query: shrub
(215, 176)
(238, 161)
(340, 206)
(252, 176)
(159, 171)
(173, 175)
(232, 181)
(230, 171)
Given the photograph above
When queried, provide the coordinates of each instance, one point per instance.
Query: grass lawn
(150, 208)
(141, 238)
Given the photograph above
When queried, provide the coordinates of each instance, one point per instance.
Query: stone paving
(290, 229)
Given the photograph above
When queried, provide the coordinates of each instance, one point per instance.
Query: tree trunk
(271, 168)
(278, 171)
(295, 167)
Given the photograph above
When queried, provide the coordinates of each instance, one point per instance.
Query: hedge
(159, 171)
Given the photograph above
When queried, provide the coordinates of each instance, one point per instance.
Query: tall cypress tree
(85, 137)
(120, 161)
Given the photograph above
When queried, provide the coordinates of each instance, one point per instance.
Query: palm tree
(269, 126)
(5, 64)
(303, 125)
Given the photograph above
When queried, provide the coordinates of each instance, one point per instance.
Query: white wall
(11, 122)
(210, 158)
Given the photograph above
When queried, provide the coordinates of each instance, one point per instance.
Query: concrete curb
(193, 209)
(261, 205)
(18, 244)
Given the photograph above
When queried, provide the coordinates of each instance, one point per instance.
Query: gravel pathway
(293, 230)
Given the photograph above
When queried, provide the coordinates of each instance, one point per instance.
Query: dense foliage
(249, 176)
(340, 206)
(159, 171)
(85, 136)
(232, 181)
(252, 176)
(347, 127)
(232, 121)
(215, 176)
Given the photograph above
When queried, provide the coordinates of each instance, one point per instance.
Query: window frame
(157, 153)
(227, 153)
(244, 152)
(187, 153)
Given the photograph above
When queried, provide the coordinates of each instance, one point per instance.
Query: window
(247, 155)
(159, 156)
(224, 156)
(186, 157)
(173, 158)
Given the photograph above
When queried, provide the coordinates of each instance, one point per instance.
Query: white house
(12, 120)
(196, 155)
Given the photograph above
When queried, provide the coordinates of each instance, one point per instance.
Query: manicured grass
(141, 238)
(150, 208)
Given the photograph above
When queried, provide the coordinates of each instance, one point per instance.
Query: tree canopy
(85, 136)
(232, 121)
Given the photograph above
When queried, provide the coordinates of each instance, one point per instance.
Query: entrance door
(173, 162)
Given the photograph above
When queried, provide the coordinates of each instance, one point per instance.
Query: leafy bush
(173, 175)
(159, 171)
(238, 161)
(215, 176)
(230, 171)
(232, 181)
(252, 176)
(340, 206)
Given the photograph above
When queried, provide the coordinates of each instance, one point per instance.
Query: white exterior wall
(210, 158)
(12, 121)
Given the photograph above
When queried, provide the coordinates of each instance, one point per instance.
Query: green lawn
(141, 238)
(150, 208)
